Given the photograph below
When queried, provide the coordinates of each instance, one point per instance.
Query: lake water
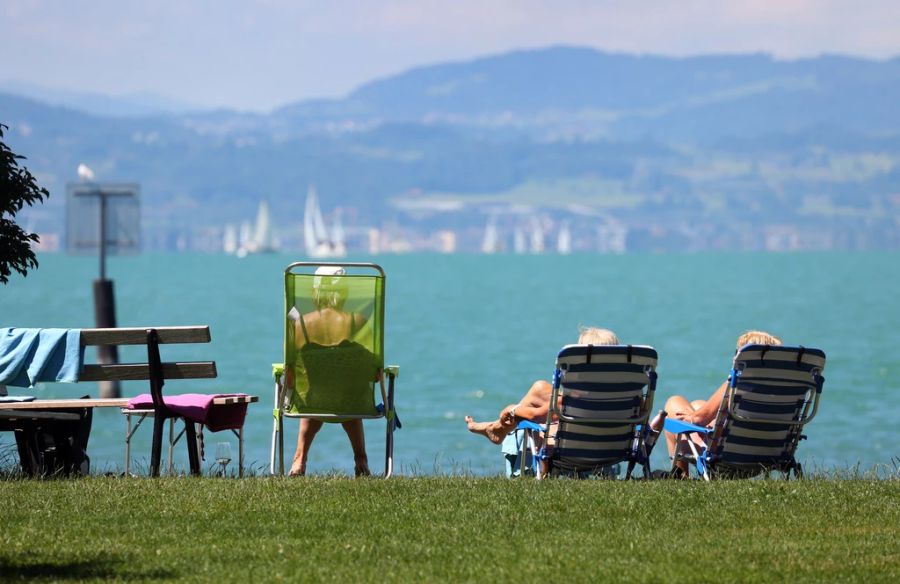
(471, 333)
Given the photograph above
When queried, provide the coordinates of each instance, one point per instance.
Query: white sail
(490, 243)
(263, 239)
(519, 244)
(310, 241)
(246, 235)
(537, 236)
(318, 223)
(315, 235)
(564, 239)
(230, 239)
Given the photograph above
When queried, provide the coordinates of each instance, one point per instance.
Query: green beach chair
(336, 379)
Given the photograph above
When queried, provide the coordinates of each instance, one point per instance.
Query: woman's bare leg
(533, 406)
(676, 403)
(495, 430)
(308, 430)
(357, 436)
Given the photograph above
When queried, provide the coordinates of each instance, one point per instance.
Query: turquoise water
(471, 333)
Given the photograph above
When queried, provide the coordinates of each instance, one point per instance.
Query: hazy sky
(257, 54)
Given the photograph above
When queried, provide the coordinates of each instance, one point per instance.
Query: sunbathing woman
(702, 412)
(327, 325)
(535, 404)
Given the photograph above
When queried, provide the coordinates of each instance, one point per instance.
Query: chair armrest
(277, 370)
(392, 371)
(679, 427)
(529, 425)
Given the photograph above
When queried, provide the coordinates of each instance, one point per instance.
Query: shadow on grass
(102, 566)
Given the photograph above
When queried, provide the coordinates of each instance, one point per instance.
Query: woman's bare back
(327, 327)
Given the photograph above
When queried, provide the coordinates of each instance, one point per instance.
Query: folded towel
(28, 356)
(199, 407)
(13, 399)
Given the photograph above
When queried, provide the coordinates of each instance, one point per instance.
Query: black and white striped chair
(773, 393)
(607, 392)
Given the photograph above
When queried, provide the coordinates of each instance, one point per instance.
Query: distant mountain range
(671, 142)
(129, 105)
(688, 98)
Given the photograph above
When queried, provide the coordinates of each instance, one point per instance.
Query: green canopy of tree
(17, 189)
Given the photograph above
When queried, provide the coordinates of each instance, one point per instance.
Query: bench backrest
(139, 336)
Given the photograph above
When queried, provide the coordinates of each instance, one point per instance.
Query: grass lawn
(449, 529)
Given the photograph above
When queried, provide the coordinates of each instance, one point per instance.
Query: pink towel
(199, 408)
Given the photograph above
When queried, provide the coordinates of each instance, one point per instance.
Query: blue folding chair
(772, 394)
(606, 395)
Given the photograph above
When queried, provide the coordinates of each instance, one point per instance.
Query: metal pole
(102, 234)
(105, 308)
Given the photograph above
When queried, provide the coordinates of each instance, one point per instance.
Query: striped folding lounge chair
(606, 395)
(772, 394)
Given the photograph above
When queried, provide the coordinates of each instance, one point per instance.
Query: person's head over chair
(329, 289)
(589, 335)
(757, 338)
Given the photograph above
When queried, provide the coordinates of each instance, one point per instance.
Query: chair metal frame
(708, 460)
(640, 448)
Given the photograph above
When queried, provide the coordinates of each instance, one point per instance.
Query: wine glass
(223, 456)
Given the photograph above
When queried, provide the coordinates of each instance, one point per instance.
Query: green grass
(448, 529)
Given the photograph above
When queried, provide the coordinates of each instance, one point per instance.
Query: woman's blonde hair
(329, 290)
(757, 338)
(588, 335)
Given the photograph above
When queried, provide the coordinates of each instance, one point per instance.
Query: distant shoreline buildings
(498, 235)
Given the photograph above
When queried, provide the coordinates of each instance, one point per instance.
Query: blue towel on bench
(28, 356)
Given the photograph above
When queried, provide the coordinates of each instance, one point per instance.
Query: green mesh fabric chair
(333, 351)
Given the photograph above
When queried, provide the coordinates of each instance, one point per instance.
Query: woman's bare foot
(493, 431)
(362, 470)
(298, 469)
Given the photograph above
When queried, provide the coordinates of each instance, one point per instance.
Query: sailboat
(230, 240)
(245, 239)
(519, 244)
(316, 240)
(537, 236)
(263, 238)
(256, 238)
(490, 243)
(564, 239)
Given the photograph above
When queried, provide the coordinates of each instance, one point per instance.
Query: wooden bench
(30, 417)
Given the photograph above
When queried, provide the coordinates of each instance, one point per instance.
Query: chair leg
(127, 444)
(241, 452)
(190, 436)
(274, 446)
(275, 455)
(156, 450)
(389, 437)
(30, 458)
(281, 445)
(170, 468)
(389, 450)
